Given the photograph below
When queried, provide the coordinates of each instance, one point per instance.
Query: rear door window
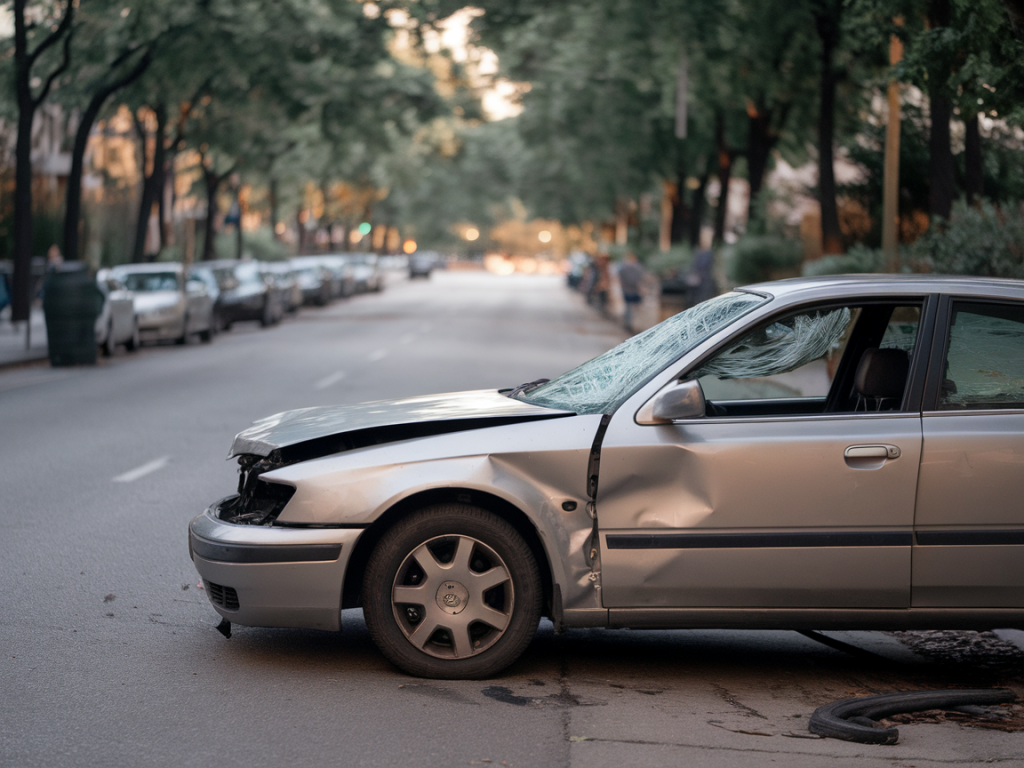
(984, 365)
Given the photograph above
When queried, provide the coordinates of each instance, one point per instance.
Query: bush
(977, 240)
(764, 257)
(671, 263)
(858, 260)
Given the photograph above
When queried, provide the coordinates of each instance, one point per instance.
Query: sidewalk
(12, 340)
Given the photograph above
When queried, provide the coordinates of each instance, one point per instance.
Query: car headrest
(882, 373)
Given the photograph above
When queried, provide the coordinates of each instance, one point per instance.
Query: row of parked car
(171, 302)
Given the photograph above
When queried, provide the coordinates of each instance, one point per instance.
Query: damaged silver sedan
(808, 454)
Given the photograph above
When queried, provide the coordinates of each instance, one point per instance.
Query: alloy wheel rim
(453, 597)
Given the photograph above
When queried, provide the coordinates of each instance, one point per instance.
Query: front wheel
(452, 592)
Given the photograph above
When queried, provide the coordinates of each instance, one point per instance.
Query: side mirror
(681, 400)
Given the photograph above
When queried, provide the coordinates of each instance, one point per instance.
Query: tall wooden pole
(891, 178)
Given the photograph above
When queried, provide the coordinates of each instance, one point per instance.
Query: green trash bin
(71, 303)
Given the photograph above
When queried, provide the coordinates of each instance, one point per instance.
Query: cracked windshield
(511, 383)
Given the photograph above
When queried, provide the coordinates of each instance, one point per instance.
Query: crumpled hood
(300, 426)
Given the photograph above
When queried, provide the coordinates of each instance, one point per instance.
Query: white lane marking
(134, 474)
(409, 338)
(329, 381)
(378, 354)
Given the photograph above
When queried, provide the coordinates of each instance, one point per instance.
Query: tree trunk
(272, 195)
(760, 142)
(941, 185)
(300, 228)
(22, 283)
(681, 213)
(152, 185)
(73, 196)
(697, 208)
(165, 207)
(828, 30)
(238, 224)
(974, 178)
(212, 184)
(725, 158)
(21, 288)
(160, 169)
(941, 190)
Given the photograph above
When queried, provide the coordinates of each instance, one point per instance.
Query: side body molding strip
(759, 540)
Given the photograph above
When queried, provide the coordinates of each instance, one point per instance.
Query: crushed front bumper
(266, 576)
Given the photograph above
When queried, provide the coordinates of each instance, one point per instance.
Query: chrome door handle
(872, 452)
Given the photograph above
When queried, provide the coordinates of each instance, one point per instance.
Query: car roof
(159, 266)
(888, 285)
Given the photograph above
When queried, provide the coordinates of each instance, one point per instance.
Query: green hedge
(977, 240)
(859, 259)
(763, 257)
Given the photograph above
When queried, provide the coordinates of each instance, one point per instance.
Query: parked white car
(167, 306)
(116, 324)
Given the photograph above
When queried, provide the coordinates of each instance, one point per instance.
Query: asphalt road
(109, 654)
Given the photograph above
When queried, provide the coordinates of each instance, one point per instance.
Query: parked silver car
(810, 454)
(166, 305)
(366, 272)
(116, 323)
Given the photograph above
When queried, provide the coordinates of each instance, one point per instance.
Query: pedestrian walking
(631, 278)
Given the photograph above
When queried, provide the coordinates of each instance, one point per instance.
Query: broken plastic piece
(602, 384)
(224, 628)
(853, 719)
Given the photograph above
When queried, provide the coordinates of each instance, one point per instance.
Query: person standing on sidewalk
(631, 278)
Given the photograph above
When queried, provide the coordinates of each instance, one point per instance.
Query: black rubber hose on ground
(853, 719)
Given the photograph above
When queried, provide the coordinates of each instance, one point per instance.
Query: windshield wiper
(525, 387)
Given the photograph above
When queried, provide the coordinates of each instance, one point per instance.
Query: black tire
(267, 315)
(481, 546)
(108, 343)
(183, 339)
(207, 336)
(133, 344)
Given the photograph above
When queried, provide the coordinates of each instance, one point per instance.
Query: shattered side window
(604, 383)
(793, 357)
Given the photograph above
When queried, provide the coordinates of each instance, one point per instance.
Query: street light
(472, 234)
(409, 246)
(544, 236)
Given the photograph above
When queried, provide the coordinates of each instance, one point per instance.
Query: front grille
(225, 597)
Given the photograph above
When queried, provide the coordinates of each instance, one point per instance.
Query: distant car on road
(284, 279)
(827, 453)
(168, 307)
(116, 324)
(243, 293)
(422, 263)
(366, 272)
(343, 281)
(314, 280)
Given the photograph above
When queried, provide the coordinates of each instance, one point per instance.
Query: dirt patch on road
(962, 650)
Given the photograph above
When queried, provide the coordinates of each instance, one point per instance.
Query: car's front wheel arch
(510, 513)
